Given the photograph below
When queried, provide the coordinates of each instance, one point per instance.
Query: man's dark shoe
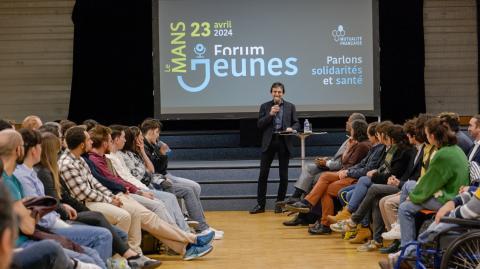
(295, 221)
(257, 209)
(290, 200)
(143, 262)
(299, 206)
(278, 209)
(392, 248)
(319, 229)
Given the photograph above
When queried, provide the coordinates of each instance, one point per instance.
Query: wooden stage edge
(261, 241)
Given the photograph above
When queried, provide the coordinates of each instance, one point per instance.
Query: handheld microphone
(276, 103)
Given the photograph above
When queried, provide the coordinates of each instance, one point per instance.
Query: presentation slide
(220, 57)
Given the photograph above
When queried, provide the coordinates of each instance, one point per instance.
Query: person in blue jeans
(11, 151)
(447, 172)
(97, 238)
(396, 161)
(46, 254)
(186, 189)
(47, 172)
(34, 254)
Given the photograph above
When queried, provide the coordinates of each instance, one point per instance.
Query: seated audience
(96, 238)
(137, 163)
(389, 204)
(446, 173)
(11, 152)
(47, 172)
(111, 183)
(120, 208)
(364, 202)
(311, 171)
(96, 159)
(330, 183)
(45, 254)
(371, 161)
(183, 188)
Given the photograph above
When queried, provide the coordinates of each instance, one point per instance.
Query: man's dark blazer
(265, 123)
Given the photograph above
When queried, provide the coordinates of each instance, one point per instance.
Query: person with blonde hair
(48, 172)
(32, 122)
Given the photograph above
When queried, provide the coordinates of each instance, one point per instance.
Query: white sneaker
(83, 265)
(218, 234)
(393, 234)
(339, 227)
(217, 231)
(393, 258)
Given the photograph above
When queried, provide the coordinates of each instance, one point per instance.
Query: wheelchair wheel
(464, 252)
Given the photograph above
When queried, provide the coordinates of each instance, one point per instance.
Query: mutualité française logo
(339, 36)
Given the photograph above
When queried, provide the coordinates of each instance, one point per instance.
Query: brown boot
(363, 235)
(341, 215)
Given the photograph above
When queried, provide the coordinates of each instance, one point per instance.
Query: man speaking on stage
(275, 116)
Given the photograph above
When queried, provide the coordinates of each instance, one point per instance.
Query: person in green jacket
(447, 172)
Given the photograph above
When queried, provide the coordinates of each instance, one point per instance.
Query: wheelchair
(458, 247)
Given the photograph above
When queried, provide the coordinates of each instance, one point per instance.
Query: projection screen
(217, 59)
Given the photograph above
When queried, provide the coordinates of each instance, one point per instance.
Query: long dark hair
(398, 136)
(441, 133)
(131, 134)
(359, 128)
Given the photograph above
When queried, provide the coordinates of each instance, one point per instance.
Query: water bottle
(168, 152)
(307, 128)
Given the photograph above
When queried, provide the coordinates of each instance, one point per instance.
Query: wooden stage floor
(261, 241)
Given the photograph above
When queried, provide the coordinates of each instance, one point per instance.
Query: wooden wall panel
(36, 45)
(451, 56)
